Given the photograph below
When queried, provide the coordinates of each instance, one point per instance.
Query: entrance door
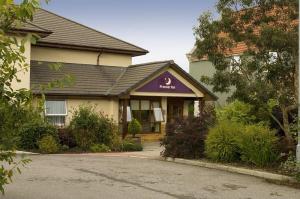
(175, 109)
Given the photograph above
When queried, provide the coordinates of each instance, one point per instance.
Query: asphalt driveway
(89, 176)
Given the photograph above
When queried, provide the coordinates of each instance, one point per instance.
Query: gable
(165, 83)
(168, 83)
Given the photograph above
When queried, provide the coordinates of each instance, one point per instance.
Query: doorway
(175, 109)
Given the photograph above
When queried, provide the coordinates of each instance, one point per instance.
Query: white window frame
(66, 108)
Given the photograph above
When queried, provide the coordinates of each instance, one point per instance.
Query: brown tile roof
(67, 33)
(92, 80)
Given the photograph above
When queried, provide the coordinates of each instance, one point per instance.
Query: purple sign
(165, 83)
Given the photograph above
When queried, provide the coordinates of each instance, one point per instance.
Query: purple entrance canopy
(165, 83)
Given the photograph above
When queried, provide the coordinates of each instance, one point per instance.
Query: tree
(15, 105)
(266, 75)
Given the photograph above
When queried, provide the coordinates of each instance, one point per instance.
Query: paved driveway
(115, 176)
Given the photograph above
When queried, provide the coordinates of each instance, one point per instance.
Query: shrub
(99, 148)
(48, 144)
(291, 167)
(84, 126)
(131, 146)
(32, 132)
(222, 141)
(89, 127)
(66, 138)
(236, 111)
(134, 127)
(257, 145)
(185, 137)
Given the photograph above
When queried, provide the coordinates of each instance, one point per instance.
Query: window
(56, 111)
(148, 113)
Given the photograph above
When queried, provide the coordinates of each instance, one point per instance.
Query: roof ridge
(153, 62)
(46, 30)
(70, 20)
(116, 82)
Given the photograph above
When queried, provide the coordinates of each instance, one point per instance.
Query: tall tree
(266, 75)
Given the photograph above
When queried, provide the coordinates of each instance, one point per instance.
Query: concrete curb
(25, 153)
(250, 172)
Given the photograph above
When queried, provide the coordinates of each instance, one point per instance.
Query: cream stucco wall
(23, 72)
(78, 56)
(109, 107)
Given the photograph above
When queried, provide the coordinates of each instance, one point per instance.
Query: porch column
(201, 106)
(124, 122)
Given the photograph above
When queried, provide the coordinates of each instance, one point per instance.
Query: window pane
(129, 117)
(158, 116)
(56, 120)
(134, 104)
(56, 108)
(155, 104)
(145, 105)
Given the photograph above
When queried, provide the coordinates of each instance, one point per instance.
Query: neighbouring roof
(93, 80)
(69, 34)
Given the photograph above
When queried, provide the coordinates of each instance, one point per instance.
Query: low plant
(66, 138)
(128, 145)
(291, 167)
(98, 148)
(89, 127)
(48, 144)
(84, 127)
(236, 111)
(34, 131)
(222, 142)
(185, 137)
(257, 144)
(134, 127)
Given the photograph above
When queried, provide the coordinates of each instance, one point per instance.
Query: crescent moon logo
(168, 81)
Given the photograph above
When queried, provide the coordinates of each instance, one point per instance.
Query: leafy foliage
(89, 127)
(222, 141)
(32, 132)
(291, 167)
(185, 137)
(128, 145)
(48, 144)
(236, 111)
(258, 145)
(231, 141)
(98, 148)
(268, 68)
(13, 103)
(134, 127)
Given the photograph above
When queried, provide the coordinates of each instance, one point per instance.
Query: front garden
(235, 134)
(88, 131)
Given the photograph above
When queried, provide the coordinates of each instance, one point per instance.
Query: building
(203, 67)
(154, 93)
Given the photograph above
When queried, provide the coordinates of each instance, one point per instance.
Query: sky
(163, 27)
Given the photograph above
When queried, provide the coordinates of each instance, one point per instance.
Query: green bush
(48, 144)
(89, 127)
(128, 145)
(134, 127)
(84, 126)
(96, 148)
(236, 111)
(291, 167)
(222, 143)
(34, 131)
(257, 145)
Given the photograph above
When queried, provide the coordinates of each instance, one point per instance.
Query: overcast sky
(163, 27)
